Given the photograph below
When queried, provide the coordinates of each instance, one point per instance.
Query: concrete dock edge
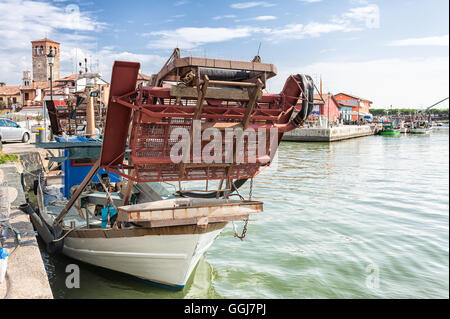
(26, 274)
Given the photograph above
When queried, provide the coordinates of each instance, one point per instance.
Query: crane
(433, 105)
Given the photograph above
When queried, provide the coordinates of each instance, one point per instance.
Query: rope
(65, 235)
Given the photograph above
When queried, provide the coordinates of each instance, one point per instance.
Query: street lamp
(51, 61)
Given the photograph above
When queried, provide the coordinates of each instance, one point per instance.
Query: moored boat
(388, 130)
(163, 243)
(134, 230)
(420, 127)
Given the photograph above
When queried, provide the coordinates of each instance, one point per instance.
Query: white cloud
(369, 14)
(251, 4)
(310, 1)
(300, 31)
(427, 41)
(188, 38)
(263, 18)
(383, 81)
(24, 21)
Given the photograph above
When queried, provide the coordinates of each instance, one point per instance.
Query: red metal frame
(153, 114)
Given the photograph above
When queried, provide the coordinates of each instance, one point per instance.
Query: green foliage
(6, 158)
(380, 112)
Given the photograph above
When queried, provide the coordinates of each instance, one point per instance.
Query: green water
(362, 218)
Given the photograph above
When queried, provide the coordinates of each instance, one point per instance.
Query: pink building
(330, 109)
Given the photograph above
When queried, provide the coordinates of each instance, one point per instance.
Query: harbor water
(360, 218)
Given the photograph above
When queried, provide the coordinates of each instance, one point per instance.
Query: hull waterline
(164, 259)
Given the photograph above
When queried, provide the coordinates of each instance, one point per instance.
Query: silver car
(11, 131)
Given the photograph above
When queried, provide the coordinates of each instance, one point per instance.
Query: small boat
(388, 130)
(420, 128)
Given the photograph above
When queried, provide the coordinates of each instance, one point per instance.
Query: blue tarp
(73, 139)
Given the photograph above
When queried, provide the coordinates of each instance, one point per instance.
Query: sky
(394, 53)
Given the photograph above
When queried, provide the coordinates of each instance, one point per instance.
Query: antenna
(259, 48)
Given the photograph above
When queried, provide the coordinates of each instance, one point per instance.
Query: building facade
(328, 107)
(360, 106)
(9, 96)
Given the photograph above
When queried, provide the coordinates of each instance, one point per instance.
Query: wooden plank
(187, 213)
(252, 94)
(201, 221)
(142, 231)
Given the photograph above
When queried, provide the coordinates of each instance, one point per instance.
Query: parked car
(11, 131)
(368, 118)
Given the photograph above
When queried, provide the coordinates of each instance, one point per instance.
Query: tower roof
(45, 40)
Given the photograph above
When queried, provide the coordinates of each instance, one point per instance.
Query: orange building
(359, 105)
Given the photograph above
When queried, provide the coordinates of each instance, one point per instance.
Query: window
(27, 96)
(14, 100)
(41, 50)
(11, 123)
(3, 123)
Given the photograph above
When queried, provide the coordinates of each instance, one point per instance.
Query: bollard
(40, 136)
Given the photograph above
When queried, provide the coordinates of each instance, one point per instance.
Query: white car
(11, 131)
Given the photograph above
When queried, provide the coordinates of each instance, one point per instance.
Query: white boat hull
(419, 131)
(164, 259)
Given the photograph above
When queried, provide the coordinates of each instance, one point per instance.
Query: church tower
(41, 69)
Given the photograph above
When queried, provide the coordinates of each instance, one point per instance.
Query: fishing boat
(388, 130)
(420, 127)
(133, 227)
(162, 242)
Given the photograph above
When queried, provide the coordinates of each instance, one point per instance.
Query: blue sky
(386, 51)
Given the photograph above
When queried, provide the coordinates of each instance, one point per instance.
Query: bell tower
(41, 68)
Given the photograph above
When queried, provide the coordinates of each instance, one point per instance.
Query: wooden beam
(127, 195)
(202, 86)
(252, 95)
(201, 92)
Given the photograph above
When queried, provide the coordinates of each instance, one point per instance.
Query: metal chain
(244, 231)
